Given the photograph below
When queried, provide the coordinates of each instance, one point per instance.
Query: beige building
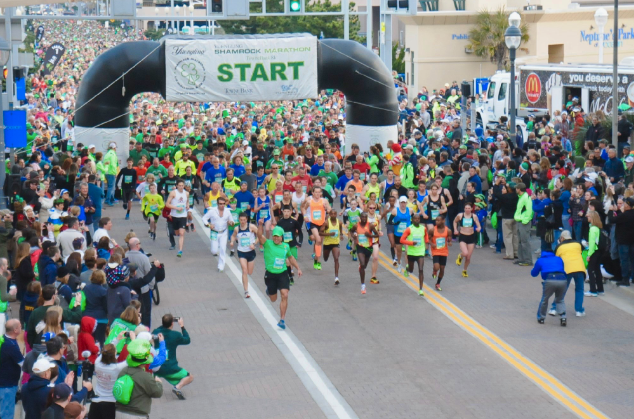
(564, 31)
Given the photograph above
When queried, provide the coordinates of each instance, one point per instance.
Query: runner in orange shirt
(440, 241)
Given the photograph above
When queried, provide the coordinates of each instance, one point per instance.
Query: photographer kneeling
(170, 370)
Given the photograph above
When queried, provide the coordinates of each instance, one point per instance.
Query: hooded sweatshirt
(85, 340)
(548, 263)
(34, 395)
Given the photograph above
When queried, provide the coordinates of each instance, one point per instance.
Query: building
(564, 31)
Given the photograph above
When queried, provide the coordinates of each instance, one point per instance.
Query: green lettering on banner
(243, 70)
(278, 69)
(259, 73)
(225, 70)
(296, 65)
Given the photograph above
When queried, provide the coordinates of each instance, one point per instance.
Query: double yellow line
(535, 373)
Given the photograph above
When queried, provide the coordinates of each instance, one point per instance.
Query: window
(491, 90)
(502, 94)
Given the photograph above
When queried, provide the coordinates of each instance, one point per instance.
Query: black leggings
(102, 410)
(594, 272)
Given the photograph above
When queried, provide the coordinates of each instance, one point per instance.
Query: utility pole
(615, 78)
(369, 22)
(346, 19)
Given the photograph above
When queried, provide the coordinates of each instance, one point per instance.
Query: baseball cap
(112, 145)
(278, 231)
(629, 159)
(402, 199)
(63, 191)
(276, 152)
(61, 391)
(588, 179)
(91, 146)
(245, 142)
(42, 365)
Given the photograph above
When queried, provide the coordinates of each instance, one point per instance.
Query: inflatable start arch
(236, 68)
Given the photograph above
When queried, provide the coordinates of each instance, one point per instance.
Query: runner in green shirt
(414, 238)
(276, 253)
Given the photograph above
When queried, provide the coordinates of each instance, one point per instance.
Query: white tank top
(245, 239)
(179, 201)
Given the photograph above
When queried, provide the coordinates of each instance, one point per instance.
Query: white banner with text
(231, 70)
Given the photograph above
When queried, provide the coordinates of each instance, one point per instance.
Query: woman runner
(466, 225)
(246, 237)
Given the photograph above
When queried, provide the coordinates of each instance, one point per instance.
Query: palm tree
(486, 39)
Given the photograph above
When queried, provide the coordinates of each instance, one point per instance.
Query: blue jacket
(614, 169)
(96, 196)
(539, 206)
(548, 263)
(478, 182)
(34, 395)
(48, 270)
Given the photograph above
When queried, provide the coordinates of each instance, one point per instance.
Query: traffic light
(401, 4)
(295, 6)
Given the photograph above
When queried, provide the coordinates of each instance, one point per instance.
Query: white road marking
(315, 380)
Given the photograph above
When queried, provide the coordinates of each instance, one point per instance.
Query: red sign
(533, 88)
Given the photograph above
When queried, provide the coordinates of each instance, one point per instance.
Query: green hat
(182, 145)
(139, 353)
(512, 185)
(524, 166)
(479, 196)
(278, 231)
(463, 147)
(29, 126)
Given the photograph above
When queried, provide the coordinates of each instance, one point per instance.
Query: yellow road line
(539, 376)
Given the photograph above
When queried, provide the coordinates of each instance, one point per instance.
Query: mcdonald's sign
(533, 88)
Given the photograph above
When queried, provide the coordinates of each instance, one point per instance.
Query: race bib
(354, 219)
(440, 243)
(316, 215)
(264, 213)
(280, 263)
(335, 233)
(218, 178)
(153, 208)
(400, 229)
(236, 217)
(417, 241)
(214, 204)
(363, 240)
(180, 208)
(245, 241)
(304, 188)
(147, 189)
(278, 198)
(362, 176)
(434, 214)
(244, 206)
(213, 235)
(288, 236)
(170, 188)
(467, 222)
(127, 179)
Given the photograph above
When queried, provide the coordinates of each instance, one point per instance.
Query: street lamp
(5, 53)
(513, 39)
(601, 18)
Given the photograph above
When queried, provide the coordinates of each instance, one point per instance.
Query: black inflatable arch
(371, 112)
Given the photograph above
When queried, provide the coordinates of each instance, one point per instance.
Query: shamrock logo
(190, 72)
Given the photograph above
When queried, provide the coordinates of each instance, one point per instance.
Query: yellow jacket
(570, 252)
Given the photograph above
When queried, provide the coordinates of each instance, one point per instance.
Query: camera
(155, 337)
(176, 319)
(126, 334)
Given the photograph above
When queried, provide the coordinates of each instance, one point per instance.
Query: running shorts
(329, 247)
(467, 238)
(175, 378)
(367, 251)
(389, 228)
(179, 223)
(249, 256)
(415, 258)
(127, 194)
(276, 282)
(441, 260)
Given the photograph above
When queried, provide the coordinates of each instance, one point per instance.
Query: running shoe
(563, 322)
(354, 256)
(231, 253)
(127, 216)
(178, 393)
(394, 263)
(524, 264)
(552, 312)
(478, 246)
(421, 293)
(362, 288)
(281, 325)
(580, 313)
(317, 266)
(336, 281)
(406, 273)
(347, 246)
(399, 268)
(374, 280)
(310, 242)
(179, 254)
(172, 247)
(154, 236)
(292, 281)
(246, 294)
(590, 294)
(438, 287)
(312, 256)
(459, 260)
(540, 321)
(600, 293)
(465, 274)
(434, 277)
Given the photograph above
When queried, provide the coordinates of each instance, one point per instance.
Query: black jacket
(624, 221)
(508, 204)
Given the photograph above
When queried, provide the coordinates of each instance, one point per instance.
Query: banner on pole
(14, 129)
(230, 70)
(39, 32)
(51, 58)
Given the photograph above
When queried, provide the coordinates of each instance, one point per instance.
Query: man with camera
(66, 237)
(170, 370)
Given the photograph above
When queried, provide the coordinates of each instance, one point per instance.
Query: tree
(398, 59)
(486, 39)
(331, 26)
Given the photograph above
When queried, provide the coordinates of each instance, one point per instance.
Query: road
(473, 350)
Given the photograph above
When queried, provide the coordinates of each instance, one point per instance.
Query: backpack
(122, 389)
(382, 162)
(605, 243)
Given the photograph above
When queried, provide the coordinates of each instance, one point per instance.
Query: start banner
(241, 69)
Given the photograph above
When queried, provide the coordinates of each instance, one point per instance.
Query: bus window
(502, 94)
(491, 90)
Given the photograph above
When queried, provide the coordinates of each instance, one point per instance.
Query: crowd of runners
(272, 180)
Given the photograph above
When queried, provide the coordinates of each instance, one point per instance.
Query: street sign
(14, 129)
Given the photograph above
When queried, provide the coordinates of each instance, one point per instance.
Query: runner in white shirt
(178, 202)
(219, 220)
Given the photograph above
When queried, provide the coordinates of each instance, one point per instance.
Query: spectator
(128, 322)
(119, 292)
(595, 253)
(24, 271)
(59, 398)
(106, 373)
(145, 388)
(553, 275)
(74, 410)
(35, 392)
(97, 304)
(29, 301)
(105, 225)
(523, 217)
(140, 285)
(47, 265)
(11, 360)
(614, 168)
(5, 297)
(170, 370)
(66, 237)
(70, 315)
(622, 216)
(570, 251)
